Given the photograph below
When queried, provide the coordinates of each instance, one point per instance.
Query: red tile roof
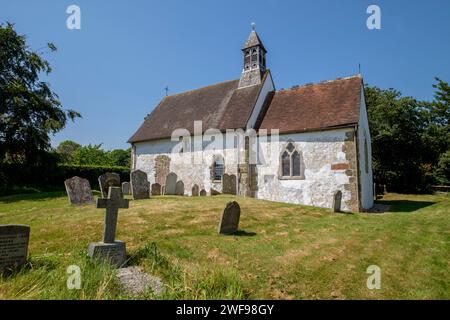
(315, 107)
(224, 106)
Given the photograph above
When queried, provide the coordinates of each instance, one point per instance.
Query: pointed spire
(253, 39)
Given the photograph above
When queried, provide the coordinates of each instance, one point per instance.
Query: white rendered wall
(319, 151)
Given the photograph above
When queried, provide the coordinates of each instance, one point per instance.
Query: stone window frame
(302, 164)
(217, 159)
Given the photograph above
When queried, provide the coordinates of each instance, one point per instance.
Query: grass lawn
(282, 251)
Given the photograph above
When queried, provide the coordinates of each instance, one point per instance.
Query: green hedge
(18, 176)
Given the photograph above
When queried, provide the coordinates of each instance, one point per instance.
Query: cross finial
(253, 26)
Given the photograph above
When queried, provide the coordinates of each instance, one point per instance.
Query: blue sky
(114, 70)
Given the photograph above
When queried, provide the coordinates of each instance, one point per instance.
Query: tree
(67, 150)
(120, 157)
(395, 125)
(91, 155)
(410, 138)
(29, 110)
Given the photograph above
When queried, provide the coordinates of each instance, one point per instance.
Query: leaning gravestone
(171, 181)
(140, 187)
(14, 241)
(108, 180)
(79, 191)
(203, 193)
(109, 249)
(126, 189)
(156, 189)
(337, 199)
(195, 190)
(179, 188)
(229, 220)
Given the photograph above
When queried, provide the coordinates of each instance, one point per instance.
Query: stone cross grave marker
(79, 191)
(171, 181)
(14, 241)
(229, 221)
(107, 180)
(110, 249)
(126, 189)
(337, 199)
(140, 187)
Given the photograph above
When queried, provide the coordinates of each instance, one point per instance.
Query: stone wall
(329, 158)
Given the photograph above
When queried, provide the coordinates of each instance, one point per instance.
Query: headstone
(171, 181)
(337, 199)
(229, 220)
(79, 191)
(229, 184)
(156, 189)
(195, 190)
(107, 180)
(14, 241)
(179, 188)
(140, 187)
(110, 249)
(126, 189)
(203, 193)
(214, 192)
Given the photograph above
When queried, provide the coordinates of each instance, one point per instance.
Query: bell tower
(254, 60)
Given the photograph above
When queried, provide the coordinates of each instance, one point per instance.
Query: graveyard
(280, 251)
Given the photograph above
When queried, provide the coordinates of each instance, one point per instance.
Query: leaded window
(291, 162)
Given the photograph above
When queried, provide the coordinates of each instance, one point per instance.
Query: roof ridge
(201, 88)
(295, 87)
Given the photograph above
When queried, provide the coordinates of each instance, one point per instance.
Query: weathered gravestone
(229, 221)
(140, 187)
(108, 180)
(110, 249)
(203, 193)
(179, 188)
(126, 189)
(156, 189)
(195, 190)
(229, 184)
(337, 199)
(79, 191)
(14, 241)
(171, 181)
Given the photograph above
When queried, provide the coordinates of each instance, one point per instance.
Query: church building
(305, 145)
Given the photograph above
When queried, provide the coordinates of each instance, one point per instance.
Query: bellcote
(254, 54)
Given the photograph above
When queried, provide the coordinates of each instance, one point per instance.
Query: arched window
(217, 168)
(291, 163)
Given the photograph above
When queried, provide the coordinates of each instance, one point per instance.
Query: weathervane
(253, 26)
(167, 90)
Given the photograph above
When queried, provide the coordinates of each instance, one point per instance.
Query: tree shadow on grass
(39, 196)
(405, 205)
(243, 233)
